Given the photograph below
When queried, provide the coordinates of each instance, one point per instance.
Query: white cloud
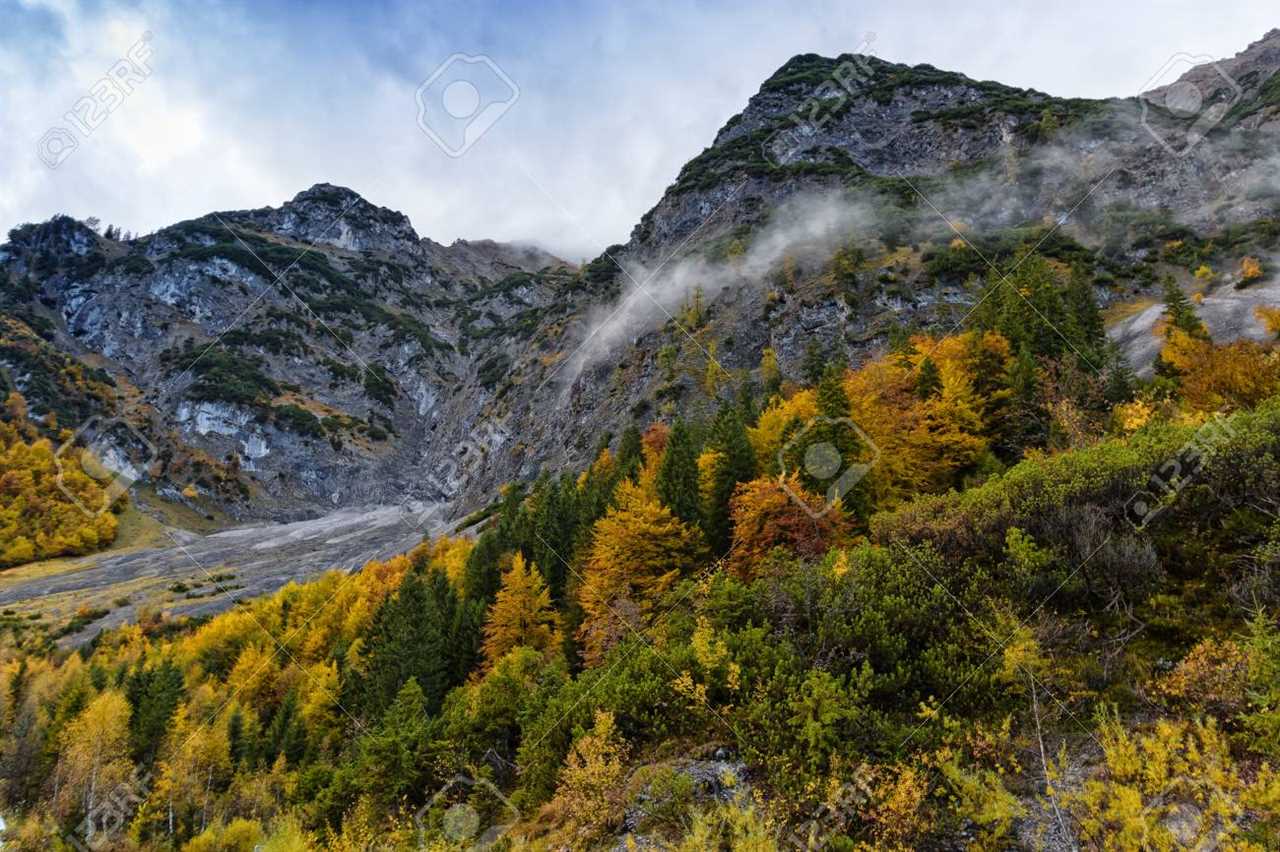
(249, 105)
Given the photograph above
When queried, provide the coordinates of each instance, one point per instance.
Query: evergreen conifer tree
(735, 463)
(677, 482)
(928, 379)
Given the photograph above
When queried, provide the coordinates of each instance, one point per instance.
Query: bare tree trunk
(1044, 765)
(90, 795)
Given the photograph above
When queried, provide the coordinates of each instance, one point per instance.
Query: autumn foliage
(37, 518)
(521, 615)
(622, 643)
(639, 549)
(770, 513)
(1215, 377)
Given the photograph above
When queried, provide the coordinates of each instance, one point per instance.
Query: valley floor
(202, 575)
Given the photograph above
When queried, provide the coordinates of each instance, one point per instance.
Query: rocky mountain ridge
(282, 362)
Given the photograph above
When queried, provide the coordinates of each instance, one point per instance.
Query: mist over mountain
(294, 359)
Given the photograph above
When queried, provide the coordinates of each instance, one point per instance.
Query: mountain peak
(328, 193)
(338, 216)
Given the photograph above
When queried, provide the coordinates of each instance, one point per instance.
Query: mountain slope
(284, 354)
(285, 361)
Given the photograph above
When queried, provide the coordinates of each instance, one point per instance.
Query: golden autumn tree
(927, 440)
(590, 789)
(767, 436)
(94, 761)
(769, 513)
(451, 555)
(951, 427)
(522, 614)
(1211, 377)
(638, 550)
(195, 760)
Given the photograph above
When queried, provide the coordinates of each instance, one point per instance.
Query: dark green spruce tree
(678, 475)
(736, 464)
(1028, 421)
(630, 455)
(153, 696)
(928, 379)
(1179, 312)
(423, 631)
(813, 364)
(553, 525)
(1085, 320)
(393, 755)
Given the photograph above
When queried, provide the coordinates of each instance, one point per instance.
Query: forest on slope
(988, 589)
(51, 504)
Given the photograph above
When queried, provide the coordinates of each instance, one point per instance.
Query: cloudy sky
(247, 103)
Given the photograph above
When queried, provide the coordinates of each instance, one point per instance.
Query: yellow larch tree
(94, 761)
(638, 551)
(522, 614)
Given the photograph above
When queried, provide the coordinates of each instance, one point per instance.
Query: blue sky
(248, 103)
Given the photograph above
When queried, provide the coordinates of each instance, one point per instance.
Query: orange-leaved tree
(779, 512)
(1235, 375)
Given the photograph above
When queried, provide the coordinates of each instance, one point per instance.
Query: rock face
(285, 361)
(281, 359)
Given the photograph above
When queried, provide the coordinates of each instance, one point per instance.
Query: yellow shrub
(1132, 416)
(1213, 677)
(590, 791)
(1270, 317)
(1176, 787)
(899, 814)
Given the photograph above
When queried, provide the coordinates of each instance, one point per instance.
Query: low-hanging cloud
(805, 228)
